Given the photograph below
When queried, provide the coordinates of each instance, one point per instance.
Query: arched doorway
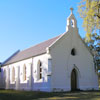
(74, 80)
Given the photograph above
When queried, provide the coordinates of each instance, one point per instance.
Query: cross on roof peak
(71, 9)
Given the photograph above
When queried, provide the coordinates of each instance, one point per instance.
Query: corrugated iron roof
(32, 51)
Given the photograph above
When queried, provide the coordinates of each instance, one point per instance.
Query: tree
(89, 12)
(94, 45)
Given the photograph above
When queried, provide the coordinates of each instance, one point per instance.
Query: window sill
(39, 81)
(13, 82)
(24, 81)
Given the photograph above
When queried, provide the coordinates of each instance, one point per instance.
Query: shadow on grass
(23, 95)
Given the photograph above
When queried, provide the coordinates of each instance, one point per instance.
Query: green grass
(24, 95)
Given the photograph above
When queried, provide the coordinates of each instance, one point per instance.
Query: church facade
(62, 63)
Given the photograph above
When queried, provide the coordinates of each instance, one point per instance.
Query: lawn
(23, 95)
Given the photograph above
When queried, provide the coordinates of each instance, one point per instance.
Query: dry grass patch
(25, 95)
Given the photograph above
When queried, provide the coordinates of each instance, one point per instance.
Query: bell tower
(71, 21)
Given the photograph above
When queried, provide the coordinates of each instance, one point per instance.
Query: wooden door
(73, 80)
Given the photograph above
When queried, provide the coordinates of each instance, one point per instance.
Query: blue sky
(24, 23)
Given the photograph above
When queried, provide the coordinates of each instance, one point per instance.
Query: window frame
(24, 73)
(13, 75)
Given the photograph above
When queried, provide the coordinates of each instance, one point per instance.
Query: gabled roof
(31, 52)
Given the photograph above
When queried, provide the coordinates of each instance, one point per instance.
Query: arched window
(73, 52)
(72, 23)
(24, 73)
(39, 70)
(13, 74)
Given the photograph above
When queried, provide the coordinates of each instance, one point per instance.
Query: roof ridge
(40, 43)
(32, 51)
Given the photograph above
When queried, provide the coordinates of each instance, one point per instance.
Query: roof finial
(71, 9)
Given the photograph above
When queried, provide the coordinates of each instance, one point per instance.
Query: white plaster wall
(41, 84)
(23, 84)
(63, 63)
(5, 77)
(31, 83)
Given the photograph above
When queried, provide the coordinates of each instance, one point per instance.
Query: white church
(63, 63)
